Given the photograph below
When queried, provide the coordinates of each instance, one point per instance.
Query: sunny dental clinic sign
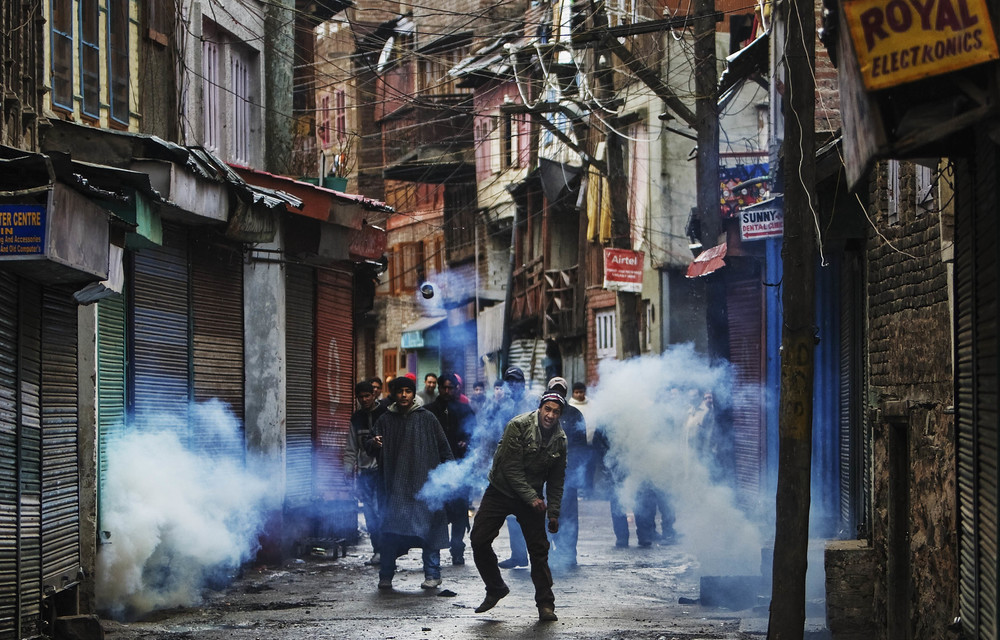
(899, 41)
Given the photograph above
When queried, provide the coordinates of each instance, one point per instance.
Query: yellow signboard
(900, 41)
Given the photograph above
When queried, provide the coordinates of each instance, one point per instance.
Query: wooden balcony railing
(548, 297)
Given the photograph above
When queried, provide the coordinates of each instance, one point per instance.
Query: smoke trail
(178, 519)
(645, 406)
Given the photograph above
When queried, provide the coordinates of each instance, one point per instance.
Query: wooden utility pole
(621, 232)
(798, 337)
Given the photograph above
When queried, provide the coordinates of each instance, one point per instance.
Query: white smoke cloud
(178, 519)
(644, 405)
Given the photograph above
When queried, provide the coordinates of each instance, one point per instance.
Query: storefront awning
(708, 261)
(413, 334)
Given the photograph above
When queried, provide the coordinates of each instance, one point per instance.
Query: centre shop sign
(22, 230)
(623, 270)
(899, 41)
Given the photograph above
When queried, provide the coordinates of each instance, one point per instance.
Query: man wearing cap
(410, 443)
(515, 403)
(563, 554)
(362, 467)
(529, 463)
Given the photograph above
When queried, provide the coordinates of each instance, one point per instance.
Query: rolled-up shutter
(8, 455)
(28, 409)
(161, 342)
(299, 333)
(110, 386)
(334, 378)
(977, 365)
(60, 463)
(217, 336)
(744, 302)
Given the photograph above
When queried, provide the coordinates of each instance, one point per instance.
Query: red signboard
(623, 270)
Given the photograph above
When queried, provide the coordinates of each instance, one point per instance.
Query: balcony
(547, 298)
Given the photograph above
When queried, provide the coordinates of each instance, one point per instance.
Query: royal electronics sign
(763, 220)
(900, 41)
(623, 270)
(22, 230)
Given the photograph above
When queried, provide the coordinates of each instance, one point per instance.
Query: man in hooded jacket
(409, 443)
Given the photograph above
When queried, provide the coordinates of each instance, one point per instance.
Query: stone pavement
(615, 593)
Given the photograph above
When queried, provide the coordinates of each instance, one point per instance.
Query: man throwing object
(531, 455)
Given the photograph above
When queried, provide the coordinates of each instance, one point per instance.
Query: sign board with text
(22, 230)
(623, 270)
(899, 41)
(763, 220)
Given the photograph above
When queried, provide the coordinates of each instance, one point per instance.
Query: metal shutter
(8, 456)
(977, 287)
(853, 463)
(161, 325)
(300, 296)
(217, 335)
(60, 465)
(744, 303)
(334, 378)
(28, 410)
(110, 386)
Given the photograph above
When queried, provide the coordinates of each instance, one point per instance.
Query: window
(324, 120)
(118, 72)
(406, 267)
(924, 189)
(158, 17)
(507, 141)
(607, 334)
(90, 57)
(892, 192)
(62, 53)
(496, 145)
(242, 120)
(340, 104)
(210, 88)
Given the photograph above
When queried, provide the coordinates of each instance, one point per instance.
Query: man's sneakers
(510, 563)
(385, 584)
(547, 614)
(491, 601)
(431, 583)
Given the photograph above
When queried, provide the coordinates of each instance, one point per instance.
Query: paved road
(620, 594)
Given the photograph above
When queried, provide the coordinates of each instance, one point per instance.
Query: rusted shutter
(853, 462)
(161, 377)
(300, 297)
(334, 378)
(110, 386)
(60, 463)
(744, 303)
(977, 289)
(28, 408)
(217, 335)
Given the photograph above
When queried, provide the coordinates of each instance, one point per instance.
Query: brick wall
(850, 587)
(827, 89)
(909, 389)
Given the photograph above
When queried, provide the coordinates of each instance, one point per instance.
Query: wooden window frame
(240, 77)
(211, 97)
(90, 58)
(340, 114)
(62, 43)
(118, 61)
(606, 333)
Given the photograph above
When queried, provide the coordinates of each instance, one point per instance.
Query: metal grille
(110, 386)
(60, 463)
(746, 339)
(29, 570)
(334, 378)
(300, 285)
(161, 325)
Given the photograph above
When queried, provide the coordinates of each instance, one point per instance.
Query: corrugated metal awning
(708, 261)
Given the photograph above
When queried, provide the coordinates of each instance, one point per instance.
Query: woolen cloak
(413, 444)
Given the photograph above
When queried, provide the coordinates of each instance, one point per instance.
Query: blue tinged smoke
(180, 516)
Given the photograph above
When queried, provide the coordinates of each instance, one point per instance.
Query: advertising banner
(623, 270)
(22, 230)
(899, 41)
(764, 220)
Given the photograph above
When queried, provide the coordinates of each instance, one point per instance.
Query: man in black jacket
(360, 466)
(458, 420)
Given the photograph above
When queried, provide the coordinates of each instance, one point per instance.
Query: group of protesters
(532, 453)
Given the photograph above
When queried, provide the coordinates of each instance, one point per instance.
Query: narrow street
(615, 593)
